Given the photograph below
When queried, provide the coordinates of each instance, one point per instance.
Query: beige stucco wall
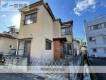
(68, 37)
(57, 29)
(5, 44)
(39, 31)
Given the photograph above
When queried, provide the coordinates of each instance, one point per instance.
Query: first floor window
(48, 44)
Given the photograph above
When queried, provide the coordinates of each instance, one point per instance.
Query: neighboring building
(83, 48)
(62, 35)
(7, 43)
(96, 37)
(13, 31)
(42, 36)
(67, 32)
(76, 44)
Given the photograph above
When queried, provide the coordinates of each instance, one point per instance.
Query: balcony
(68, 36)
(66, 31)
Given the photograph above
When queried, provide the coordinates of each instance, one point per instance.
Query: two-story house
(41, 36)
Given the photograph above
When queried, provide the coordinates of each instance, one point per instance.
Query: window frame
(97, 26)
(92, 39)
(89, 28)
(94, 50)
(104, 39)
(67, 31)
(104, 24)
(31, 17)
(48, 44)
(105, 50)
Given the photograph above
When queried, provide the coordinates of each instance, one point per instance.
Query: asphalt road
(99, 62)
(14, 76)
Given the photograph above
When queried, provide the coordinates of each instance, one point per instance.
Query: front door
(27, 49)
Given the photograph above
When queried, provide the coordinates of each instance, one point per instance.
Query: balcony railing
(65, 34)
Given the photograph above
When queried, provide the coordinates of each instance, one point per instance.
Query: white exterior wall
(99, 43)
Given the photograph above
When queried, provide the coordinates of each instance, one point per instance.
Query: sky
(76, 10)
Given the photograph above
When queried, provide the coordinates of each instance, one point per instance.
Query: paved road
(13, 76)
(99, 62)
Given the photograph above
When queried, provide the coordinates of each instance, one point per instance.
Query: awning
(60, 39)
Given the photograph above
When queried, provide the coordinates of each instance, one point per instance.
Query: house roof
(47, 7)
(65, 24)
(7, 36)
(49, 10)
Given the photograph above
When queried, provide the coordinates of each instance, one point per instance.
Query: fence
(14, 60)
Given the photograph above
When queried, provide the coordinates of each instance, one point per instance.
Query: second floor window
(66, 31)
(97, 26)
(30, 18)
